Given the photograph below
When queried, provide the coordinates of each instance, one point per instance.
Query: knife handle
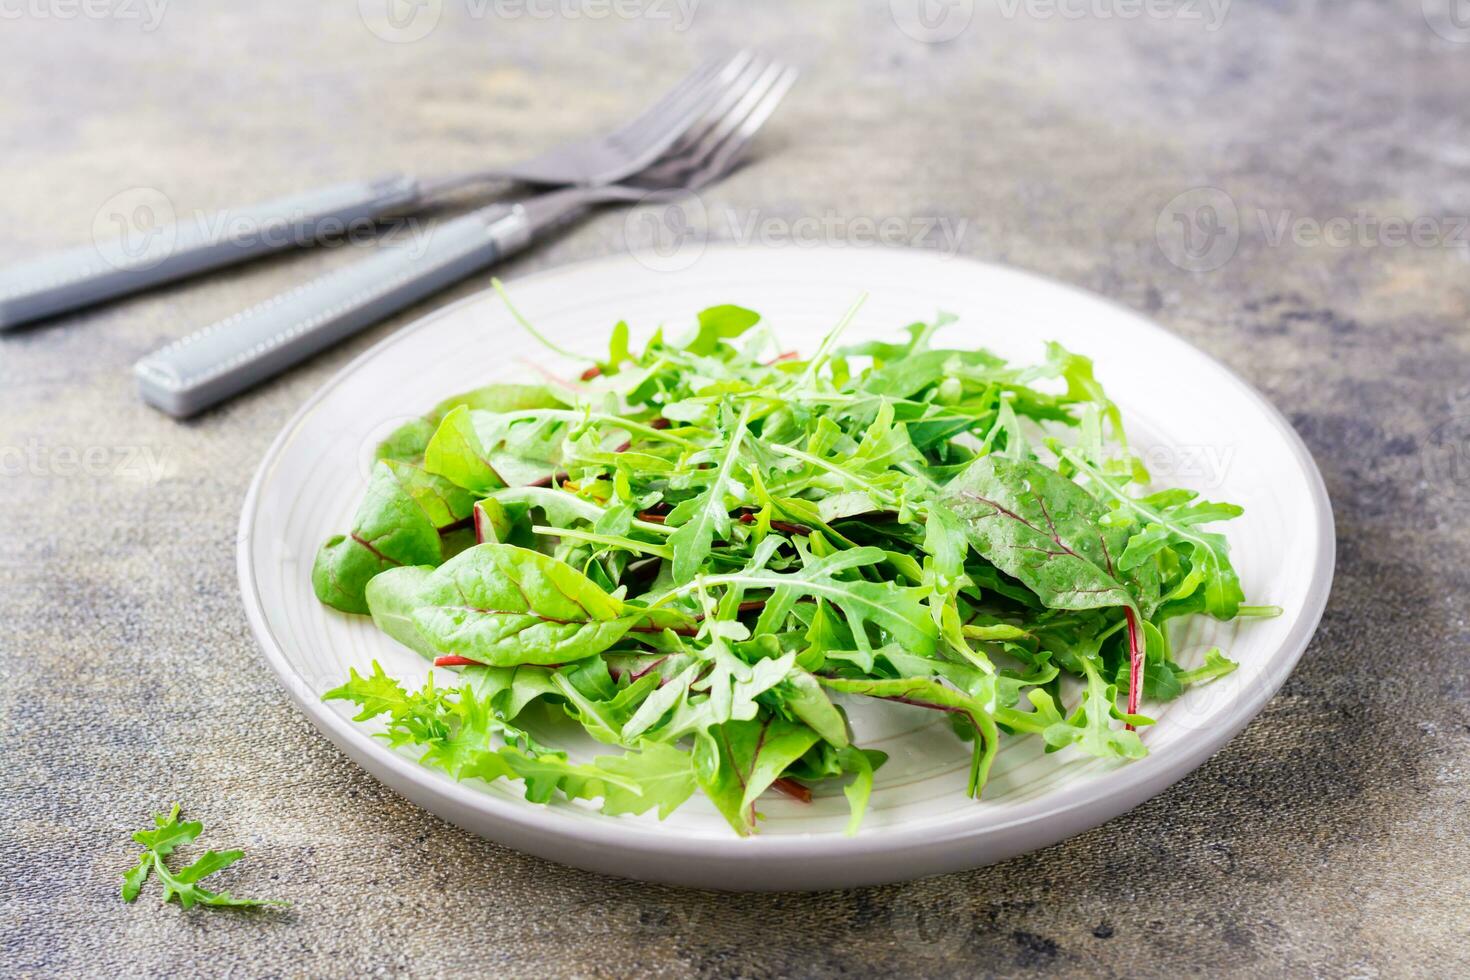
(90, 274)
(221, 360)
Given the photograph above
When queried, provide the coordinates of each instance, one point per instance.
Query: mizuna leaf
(464, 734)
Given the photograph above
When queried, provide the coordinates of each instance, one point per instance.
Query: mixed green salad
(700, 551)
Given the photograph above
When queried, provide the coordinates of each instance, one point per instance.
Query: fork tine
(699, 76)
(754, 106)
(752, 101)
(702, 138)
(723, 107)
(652, 139)
(716, 75)
(727, 154)
(710, 158)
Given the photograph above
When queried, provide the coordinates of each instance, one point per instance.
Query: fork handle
(90, 274)
(219, 361)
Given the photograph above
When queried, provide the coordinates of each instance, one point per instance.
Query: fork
(221, 360)
(91, 274)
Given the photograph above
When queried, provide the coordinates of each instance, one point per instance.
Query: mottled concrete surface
(1331, 838)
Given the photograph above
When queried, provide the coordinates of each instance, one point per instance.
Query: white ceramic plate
(1195, 423)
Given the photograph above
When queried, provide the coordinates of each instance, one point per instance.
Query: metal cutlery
(91, 274)
(236, 353)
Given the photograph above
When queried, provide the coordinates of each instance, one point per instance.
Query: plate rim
(1108, 795)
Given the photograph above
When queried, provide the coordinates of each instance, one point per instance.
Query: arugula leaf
(897, 610)
(859, 762)
(167, 834)
(663, 774)
(1089, 727)
(691, 541)
(1216, 665)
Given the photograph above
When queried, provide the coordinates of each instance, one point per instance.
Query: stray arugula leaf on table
(166, 835)
(702, 553)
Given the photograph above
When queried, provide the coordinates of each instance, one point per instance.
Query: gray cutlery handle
(108, 269)
(212, 364)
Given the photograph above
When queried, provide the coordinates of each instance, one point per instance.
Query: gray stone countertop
(1330, 838)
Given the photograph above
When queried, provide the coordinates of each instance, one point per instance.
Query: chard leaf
(503, 606)
(803, 697)
(398, 523)
(392, 598)
(525, 450)
(926, 692)
(738, 761)
(455, 453)
(1039, 527)
(510, 689)
(408, 442)
(721, 323)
